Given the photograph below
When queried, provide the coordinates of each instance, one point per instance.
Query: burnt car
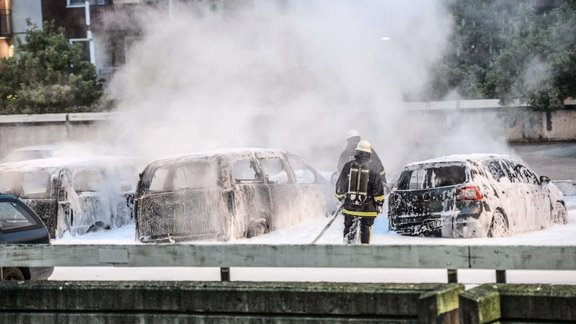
(20, 225)
(223, 195)
(474, 195)
(75, 194)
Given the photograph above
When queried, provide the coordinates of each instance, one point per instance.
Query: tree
(49, 75)
(509, 50)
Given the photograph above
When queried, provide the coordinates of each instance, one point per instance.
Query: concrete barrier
(519, 303)
(235, 302)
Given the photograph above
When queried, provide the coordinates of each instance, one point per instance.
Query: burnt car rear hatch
(423, 195)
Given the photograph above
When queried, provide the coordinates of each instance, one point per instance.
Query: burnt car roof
(460, 158)
(216, 153)
(69, 162)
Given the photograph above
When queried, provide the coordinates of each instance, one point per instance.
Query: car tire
(560, 214)
(97, 227)
(257, 227)
(12, 274)
(499, 225)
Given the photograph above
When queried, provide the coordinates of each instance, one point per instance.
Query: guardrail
(225, 256)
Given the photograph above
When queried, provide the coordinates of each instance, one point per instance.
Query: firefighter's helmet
(352, 133)
(364, 146)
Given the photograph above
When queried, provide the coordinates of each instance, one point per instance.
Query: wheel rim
(560, 214)
(499, 226)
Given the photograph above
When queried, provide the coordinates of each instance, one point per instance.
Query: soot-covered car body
(224, 195)
(20, 225)
(75, 194)
(475, 195)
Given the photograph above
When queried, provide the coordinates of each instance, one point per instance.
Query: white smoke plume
(295, 75)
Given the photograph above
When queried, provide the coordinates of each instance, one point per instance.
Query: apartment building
(105, 28)
(13, 22)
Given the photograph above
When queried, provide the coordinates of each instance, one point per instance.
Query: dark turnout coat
(375, 189)
(350, 151)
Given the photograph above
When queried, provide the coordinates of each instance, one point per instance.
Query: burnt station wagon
(475, 195)
(224, 195)
(75, 194)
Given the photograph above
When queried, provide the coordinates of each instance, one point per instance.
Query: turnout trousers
(351, 229)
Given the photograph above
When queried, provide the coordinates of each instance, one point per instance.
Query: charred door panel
(283, 192)
(182, 214)
(253, 209)
(284, 207)
(309, 203)
(47, 210)
(311, 192)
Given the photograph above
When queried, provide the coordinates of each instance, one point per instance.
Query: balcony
(5, 23)
(82, 3)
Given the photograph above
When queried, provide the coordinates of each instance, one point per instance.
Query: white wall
(22, 10)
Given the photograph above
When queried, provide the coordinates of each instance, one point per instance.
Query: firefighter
(352, 140)
(359, 187)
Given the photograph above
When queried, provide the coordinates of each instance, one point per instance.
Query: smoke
(295, 75)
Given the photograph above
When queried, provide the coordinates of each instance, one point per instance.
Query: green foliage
(509, 50)
(48, 75)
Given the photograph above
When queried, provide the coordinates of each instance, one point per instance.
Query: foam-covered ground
(305, 233)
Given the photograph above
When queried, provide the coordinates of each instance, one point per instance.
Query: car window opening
(88, 181)
(25, 184)
(243, 171)
(196, 175)
(274, 170)
(433, 177)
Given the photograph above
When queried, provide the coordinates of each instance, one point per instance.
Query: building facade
(105, 28)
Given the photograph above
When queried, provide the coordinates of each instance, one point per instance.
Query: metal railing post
(225, 274)
(500, 276)
(452, 276)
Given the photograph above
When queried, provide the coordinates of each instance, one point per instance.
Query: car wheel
(12, 274)
(97, 227)
(560, 214)
(499, 225)
(257, 227)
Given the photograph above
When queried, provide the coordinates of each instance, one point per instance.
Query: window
(302, 172)
(524, 174)
(12, 217)
(413, 179)
(84, 44)
(513, 174)
(496, 170)
(447, 176)
(194, 175)
(243, 171)
(274, 170)
(76, 3)
(530, 176)
(81, 3)
(432, 177)
(36, 183)
(158, 180)
(88, 180)
(200, 174)
(25, 183)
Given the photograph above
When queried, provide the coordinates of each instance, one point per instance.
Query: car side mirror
(544, 179)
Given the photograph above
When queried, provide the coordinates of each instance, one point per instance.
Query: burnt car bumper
(463, 223)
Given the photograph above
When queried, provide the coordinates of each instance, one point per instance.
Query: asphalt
(555, 160)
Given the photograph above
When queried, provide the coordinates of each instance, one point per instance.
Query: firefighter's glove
(379, 209)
